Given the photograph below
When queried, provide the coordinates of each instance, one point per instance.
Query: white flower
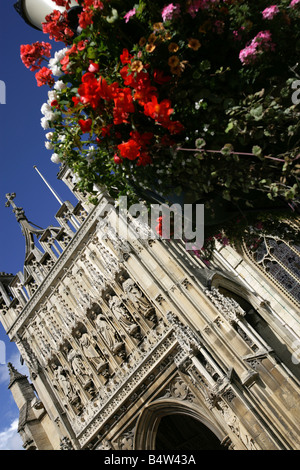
(54, 63)
(60, 85)
(113, 17)
(46, 109)
(50, 135)
(49, 145)
(55, 158)
(45, 123)
(52, 95)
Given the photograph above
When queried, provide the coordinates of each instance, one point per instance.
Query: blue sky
(22, 145)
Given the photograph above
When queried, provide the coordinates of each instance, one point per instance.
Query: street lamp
(34, 12)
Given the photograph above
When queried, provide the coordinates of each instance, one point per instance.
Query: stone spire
(27, 229)
(14, 375)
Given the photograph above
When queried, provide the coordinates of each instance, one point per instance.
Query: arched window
(261, 326)
(281, 262)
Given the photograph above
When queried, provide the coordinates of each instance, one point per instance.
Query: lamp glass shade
(37, 10)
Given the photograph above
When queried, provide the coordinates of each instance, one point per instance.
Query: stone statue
(107, 332)
(79, 369)
(90, 352)
(122, 315)
(136, 296)
(60, 377)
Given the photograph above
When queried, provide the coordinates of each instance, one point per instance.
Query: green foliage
(239, 151)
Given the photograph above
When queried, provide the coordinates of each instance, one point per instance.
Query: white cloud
(10, 439)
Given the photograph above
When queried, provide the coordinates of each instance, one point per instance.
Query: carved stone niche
(82, 372)
(122, 315)
(107, 332)
(139, 301)
(64, 387)
(91, 351)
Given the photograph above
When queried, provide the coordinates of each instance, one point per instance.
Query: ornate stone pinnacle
(18, 211)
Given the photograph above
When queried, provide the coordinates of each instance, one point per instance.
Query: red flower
(95, 3)
(85, 18)
(118, 160)
(57, 26)
(44, 77)
(81, 45)
(63, 3)
(93, 67)
(144, 159)
(124, 100)
(125, 57)
(85, 125)
(129, 149)
(123, 105)
(75, 100)
(32, 55)
(158, 111)
(105, 131)
(174, 127)
(89, 90)
(160, 78)
(106, 91)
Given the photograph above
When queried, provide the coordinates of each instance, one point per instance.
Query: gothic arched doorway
(174, 425)
(182, 432)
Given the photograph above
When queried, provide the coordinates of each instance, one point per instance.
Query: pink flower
(270, 12)
(169, 11)
(294, 3)
(261, 42)
(93, 68)
(196, 5)
(129, 14)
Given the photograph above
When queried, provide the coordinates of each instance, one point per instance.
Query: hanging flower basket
(196, 98)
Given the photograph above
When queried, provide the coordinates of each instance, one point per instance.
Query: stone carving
(62, 382)
(66, 444)
(104, 445)
(108, 260)
(125, 441)
(53, 327)
(28, 355)
(123, 317)
(84, 376)
(96, 277)
(187, 339)
(229, 307)
(234, 313)
(108, 333)
(89, 350)
(108, 232)
(235, 425)
(136, 296)
(60, 376)
(83, 298)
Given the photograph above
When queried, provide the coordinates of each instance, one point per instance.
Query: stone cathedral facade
(133, 344)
